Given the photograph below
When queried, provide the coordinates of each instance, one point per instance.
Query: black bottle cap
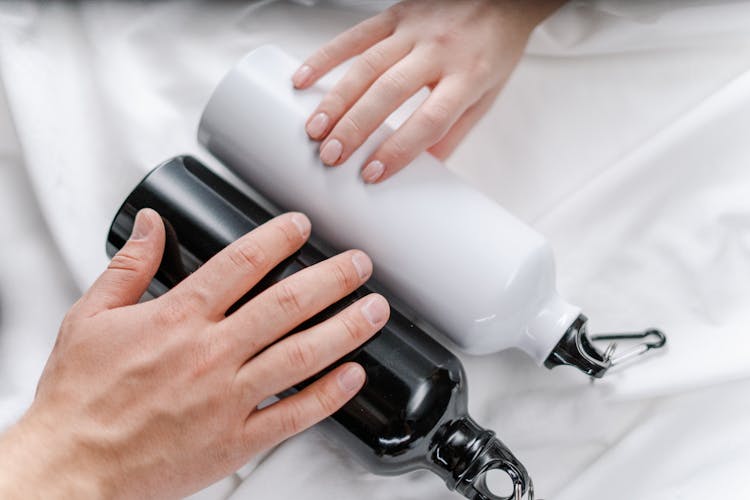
(463, 454)
(576, 348)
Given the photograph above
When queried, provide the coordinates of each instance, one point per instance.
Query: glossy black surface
(411, 412)
(575, 349)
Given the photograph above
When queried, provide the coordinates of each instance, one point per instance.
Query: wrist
(526, 14)
(39, 461)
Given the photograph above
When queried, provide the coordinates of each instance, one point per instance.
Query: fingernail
(302, 223)
(142, 226)
(317, 125)
(375, 309)
(362, 264)
(373, 171)
(331, 152)
(301, 76)
(352, 378)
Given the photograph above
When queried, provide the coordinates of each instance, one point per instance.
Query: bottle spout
(577, 348)
(495, 456)
(464, 453)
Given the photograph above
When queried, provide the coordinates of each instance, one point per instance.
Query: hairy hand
(158, 399)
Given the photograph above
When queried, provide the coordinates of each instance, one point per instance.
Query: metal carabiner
(576, 348)
(518, 491)
(658, 340)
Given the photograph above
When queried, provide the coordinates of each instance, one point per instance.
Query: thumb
(131, 269)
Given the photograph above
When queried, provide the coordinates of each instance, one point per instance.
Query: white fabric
(622, 136)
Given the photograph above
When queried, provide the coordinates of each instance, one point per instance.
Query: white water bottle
(453, 256)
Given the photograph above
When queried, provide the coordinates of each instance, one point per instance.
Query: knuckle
(197, 297)
(188, 300)
(335, 102)
(392, 82)
(288, 299)
(249, 388)
(125, 260)
(289, 233)
(446, 38)
(247, 254)
(170, 311)
(358, 34)
(435, 117)
(396, 150)
(482, 69)
(395, 12)
(353, 128)
(344, 276)
(326, 401)
(301, 355)
(353, 328)
(206, 354)
(74, 313)
(67, 326)
(326, 54)
(290, 420)
(371, 62)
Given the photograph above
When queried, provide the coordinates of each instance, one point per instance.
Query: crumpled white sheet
(622, 136)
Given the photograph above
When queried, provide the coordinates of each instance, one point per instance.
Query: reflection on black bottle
(411, 413)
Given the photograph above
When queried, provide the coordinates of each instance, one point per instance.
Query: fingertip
(149, 212)
(373, 171)
(132, 268)
(302, 223)
(302, 77)
(441, 150)
(331, 151)
(317, 125)
(376, 309)
(351, 378)
(362, 264)
(142, 226)
(147, 223)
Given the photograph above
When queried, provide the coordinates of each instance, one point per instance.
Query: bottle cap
(577, 348)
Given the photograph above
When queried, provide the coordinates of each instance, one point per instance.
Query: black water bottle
(412, 411)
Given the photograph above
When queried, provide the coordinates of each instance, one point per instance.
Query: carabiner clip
(576, 348)
(657, 339)
(518, 491)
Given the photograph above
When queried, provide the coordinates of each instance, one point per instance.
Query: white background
(623, 137)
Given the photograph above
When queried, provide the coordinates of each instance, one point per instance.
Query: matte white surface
(622, 138)
(415, 227)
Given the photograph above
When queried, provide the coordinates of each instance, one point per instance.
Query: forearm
(35, 462)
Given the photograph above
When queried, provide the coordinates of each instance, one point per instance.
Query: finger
(345, 46)
(445, 146)
(273, 424)
(304, 354)
(280, 308)
(388, 92)
(228, 275)
(355, 82)
(131, 269)
(447, 102)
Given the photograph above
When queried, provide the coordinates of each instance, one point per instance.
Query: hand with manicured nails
(462, 51)
(158, 399)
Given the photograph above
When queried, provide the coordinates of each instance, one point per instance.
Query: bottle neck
(463, 452)
(550, 322)
(575, 349)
